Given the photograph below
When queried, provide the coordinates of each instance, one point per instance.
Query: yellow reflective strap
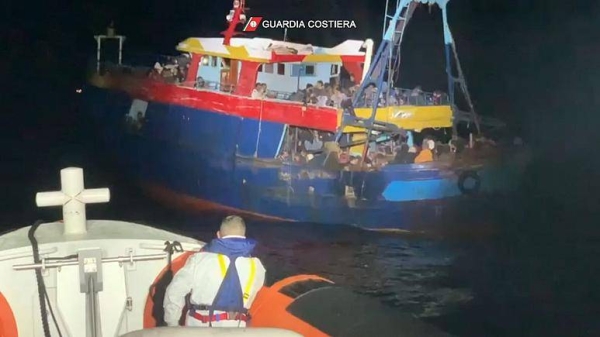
(222, 264)
(250, 280)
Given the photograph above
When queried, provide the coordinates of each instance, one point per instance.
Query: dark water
(537, 277)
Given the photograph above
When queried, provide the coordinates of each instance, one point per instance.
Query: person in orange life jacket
(222, 280)
(426, 154)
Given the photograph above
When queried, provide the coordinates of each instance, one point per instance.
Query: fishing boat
(91, 278)
(203, 132)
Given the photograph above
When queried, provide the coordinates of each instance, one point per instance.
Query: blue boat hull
(214, 160)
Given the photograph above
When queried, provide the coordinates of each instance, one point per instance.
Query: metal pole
(385, 17)
(299, 73)
(75, 261)
(120, 49)
(98, 42)
(285, 35)
(92, 306)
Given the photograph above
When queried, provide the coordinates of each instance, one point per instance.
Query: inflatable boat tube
(315, 307)
(206, 332)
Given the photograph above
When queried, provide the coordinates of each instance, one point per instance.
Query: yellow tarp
(407, 117)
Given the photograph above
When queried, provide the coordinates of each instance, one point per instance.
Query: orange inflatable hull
(269, 307)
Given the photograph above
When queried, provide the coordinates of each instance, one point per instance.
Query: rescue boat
(79, 277)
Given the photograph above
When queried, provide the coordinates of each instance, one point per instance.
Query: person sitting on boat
(139, 121)
(457, 145)
(337, 97)
(156, 71)
(416, 96)
(257, 92)
(320, 96)
(443, 152)
(315, 144)
(326, 99)
(402, 156)
(437, 97)
(222, 280)
(369, 95)
(200, 83)
(392, 99)
(348, 83)
(426, 154)
(284, 156)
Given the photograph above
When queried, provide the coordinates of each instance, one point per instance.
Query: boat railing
(399, 97)
(396, 97)
(123, 69)
(201, 84)
(208, 86)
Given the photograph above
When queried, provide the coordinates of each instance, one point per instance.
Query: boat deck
(96, 230)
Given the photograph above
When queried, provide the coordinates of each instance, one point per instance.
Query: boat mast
(460, 82)
(386, 65)
(378, 71)
(235, 17)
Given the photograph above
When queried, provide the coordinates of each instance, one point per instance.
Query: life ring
(462, 179)
(160, 285)
(8, 324)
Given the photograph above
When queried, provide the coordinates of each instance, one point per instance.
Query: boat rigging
(385, 68)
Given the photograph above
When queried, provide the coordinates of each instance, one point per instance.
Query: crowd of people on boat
(315, 148)
(173, 70)
(340, 96)
(337, 93)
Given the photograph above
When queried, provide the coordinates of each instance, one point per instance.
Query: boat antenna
(235, 17)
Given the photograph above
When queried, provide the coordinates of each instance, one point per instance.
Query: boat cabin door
(229, 74)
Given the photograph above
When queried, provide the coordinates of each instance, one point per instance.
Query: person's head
(232, 225)
(319, 84)
(403, 148)
(139, 115)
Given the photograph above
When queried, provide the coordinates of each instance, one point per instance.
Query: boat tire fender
(469, 189)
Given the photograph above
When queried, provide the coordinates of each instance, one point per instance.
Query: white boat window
(280, 69)
(335, 69)
(268, 68)
(309, 70)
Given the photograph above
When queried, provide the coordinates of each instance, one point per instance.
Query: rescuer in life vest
(222, 280)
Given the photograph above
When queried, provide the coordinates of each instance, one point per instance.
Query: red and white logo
(252, 24)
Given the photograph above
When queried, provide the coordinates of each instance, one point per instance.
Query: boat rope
(171, 248)
(158, 288)
(42, 293)
(259, 127)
